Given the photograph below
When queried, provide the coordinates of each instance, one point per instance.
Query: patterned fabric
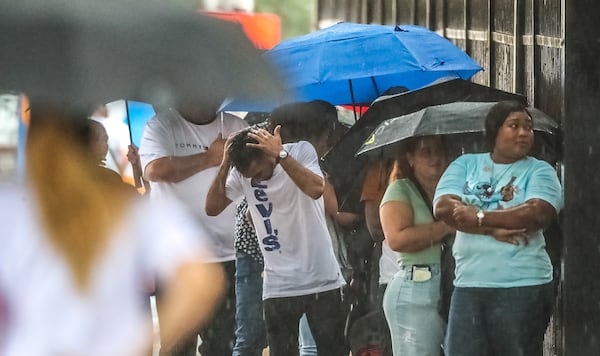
(245, 239)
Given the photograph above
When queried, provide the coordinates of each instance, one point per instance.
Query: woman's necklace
(491, 189)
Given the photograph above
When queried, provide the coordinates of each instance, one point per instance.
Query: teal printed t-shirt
(404, 190)
(482, 261)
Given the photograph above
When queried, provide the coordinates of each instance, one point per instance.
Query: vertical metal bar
(466, 23)
(443, 18)
(517, 46)
(534, 56)
(490, 39)
(563, 37)
(428, 14)
(413, 12)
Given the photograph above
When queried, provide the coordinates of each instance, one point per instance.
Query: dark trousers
(325, 318)
(499, 321)
(218, 337)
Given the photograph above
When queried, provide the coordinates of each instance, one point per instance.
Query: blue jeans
(410, 307)
(499, 321)
(308, 346)
(250, 332)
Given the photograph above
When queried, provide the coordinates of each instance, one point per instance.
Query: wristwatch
(480, 215)
(282, 155)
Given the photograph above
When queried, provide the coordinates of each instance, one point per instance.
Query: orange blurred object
(263, 29)
(25, 115)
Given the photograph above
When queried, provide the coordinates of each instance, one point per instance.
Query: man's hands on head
(269, 143)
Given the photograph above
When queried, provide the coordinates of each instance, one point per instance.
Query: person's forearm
(532, 215)
(373, 221)
(444, 208)
(216, 199)
(174, 169)
(417, 238)
(346, 219)
(308, 182)
(343, 219)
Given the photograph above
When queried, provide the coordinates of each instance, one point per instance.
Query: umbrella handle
(137, 170)
(137, 175)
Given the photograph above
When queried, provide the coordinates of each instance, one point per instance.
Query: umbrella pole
(375, 86)
(137, 171)
(353, 101)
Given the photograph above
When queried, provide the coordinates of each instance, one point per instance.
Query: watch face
(283, 154)
(480, 214)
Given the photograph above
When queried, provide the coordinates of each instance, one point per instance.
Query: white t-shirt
(291, 229)
(168, 134)
(46, 314)
(388, 263)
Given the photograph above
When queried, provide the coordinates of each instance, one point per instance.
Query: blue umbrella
(351, 63)
(137, 114)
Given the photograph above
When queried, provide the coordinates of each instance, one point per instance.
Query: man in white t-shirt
(284, 185)
(180, 153)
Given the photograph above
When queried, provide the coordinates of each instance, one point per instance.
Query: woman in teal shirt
(411, 299)
(499, 202)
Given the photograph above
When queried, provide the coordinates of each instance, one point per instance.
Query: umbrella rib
(374, 86)
(352, 97)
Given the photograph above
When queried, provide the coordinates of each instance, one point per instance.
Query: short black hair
(300, 121)
(497, 115)
(240, 154)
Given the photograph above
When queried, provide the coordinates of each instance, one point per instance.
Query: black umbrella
(458, 119)
(92, 52)
(346, 169)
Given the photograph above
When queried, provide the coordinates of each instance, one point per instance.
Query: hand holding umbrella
(133, 157)
(216, 150)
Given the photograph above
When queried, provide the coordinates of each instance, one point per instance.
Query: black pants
(325, 318)
(218, 337)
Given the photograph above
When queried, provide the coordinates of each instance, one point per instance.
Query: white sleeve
(233, 186)
(156, 142)
(305, 153)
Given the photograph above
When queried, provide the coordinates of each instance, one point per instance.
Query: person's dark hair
(496, 117)
(395, 90)
(240, 154)
(303, 120)
(254, 118)
(409, 146)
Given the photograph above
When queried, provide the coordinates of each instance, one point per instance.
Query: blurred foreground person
(77, 254)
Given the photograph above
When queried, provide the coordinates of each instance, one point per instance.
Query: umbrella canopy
(90, 52)
(355, 63)
(341, 162)
(137, 114)
(446, 119)
(350, 63)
